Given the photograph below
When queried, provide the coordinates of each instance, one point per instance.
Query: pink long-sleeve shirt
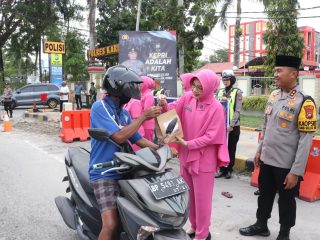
(147, 100)
(203, 125)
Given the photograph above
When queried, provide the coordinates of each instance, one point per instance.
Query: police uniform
(235, 95)
(289, 122)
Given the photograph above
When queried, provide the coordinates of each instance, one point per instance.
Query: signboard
(53, 47)
(102, 52)
(151, 53)
(56, 71)
(56, 60)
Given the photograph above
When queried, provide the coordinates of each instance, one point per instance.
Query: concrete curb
(243, 163)
(40, 117)
(250, 129)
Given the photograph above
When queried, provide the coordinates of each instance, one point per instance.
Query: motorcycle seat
(80, 161)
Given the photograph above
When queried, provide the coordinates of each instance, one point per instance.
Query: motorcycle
(153, 203)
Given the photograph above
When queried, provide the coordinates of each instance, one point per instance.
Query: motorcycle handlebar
(103, 165)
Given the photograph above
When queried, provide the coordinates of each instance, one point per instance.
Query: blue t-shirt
(78, 89)
(103, 115)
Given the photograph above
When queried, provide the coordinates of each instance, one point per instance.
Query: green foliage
(282, 35)
(193, 21)
(254, 103)
(74, 59)
(220, 55)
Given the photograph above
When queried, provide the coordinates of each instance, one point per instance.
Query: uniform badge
(292, 102)
(283, 124)
(309, 111)
(293, 93)
(188, 108)
(307, 119)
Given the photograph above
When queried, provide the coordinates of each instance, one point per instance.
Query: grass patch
(251, 121)
(257, 122)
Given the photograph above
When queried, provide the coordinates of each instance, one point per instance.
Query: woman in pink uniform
(147, 101)
(203, 149)
(185, 78)
(135, 110)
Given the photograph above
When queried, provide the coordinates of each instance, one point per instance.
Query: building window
(308, 56)
(231, 57)
(246, 47)
(258, 27)
(247, 28)
(232, 31)
(264, 26)
(258, 42)
(241, 43)
(309, 39)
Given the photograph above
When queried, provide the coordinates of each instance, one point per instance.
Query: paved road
(31, 170)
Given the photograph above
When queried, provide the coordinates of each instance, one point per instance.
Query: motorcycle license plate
(168, 187)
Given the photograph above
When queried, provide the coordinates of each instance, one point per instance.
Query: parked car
(31, 93)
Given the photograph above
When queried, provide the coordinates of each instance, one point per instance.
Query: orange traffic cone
(7, 127)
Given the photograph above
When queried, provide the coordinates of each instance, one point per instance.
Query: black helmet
(228, 74)
(122, 82)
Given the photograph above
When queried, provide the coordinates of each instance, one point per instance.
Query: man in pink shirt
(203, 149)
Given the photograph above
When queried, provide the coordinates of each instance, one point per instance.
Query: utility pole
(138, 15)
(181, 49)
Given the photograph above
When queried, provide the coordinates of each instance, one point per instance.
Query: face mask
(124, 100)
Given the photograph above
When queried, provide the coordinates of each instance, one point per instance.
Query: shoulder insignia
(307, 119)
(293, 93)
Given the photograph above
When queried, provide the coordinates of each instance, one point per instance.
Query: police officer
(234, 95)
(290, 120)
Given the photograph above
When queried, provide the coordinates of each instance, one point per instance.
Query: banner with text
(56, 72)
(151, 53)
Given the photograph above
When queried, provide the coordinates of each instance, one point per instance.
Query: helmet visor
(131, 90)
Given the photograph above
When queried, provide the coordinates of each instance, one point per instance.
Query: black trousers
(78, 101)
(8, 107)
(232, 148)
(61, 104)
(271, 181)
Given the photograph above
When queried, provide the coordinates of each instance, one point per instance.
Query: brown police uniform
(290, 120)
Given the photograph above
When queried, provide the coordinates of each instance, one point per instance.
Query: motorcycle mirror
(171, 126)
(99, 134)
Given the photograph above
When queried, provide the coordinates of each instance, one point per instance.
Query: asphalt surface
(32, 167)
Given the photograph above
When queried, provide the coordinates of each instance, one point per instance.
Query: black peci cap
(288, 61)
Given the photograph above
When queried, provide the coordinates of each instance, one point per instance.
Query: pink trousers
(201, 190)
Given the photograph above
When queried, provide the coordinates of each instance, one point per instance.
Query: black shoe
(255, 229)
(283, 237)
(192, 235)
(257, 192)
(219, 174)
(209, 236)
(228, 175)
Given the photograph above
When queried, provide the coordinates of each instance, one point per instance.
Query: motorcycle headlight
(145, 231)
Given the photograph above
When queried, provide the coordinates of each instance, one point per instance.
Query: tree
(220, 55)
(282, 34)
(237, 32)
(193, 21)
(75, 62)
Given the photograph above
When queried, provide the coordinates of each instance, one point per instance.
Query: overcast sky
(219, 38)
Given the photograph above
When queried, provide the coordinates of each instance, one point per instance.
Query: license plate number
(169, 187)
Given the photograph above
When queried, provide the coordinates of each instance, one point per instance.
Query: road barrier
(74, 125)
(310, 186)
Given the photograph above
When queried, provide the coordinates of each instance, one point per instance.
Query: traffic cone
(7, 127)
